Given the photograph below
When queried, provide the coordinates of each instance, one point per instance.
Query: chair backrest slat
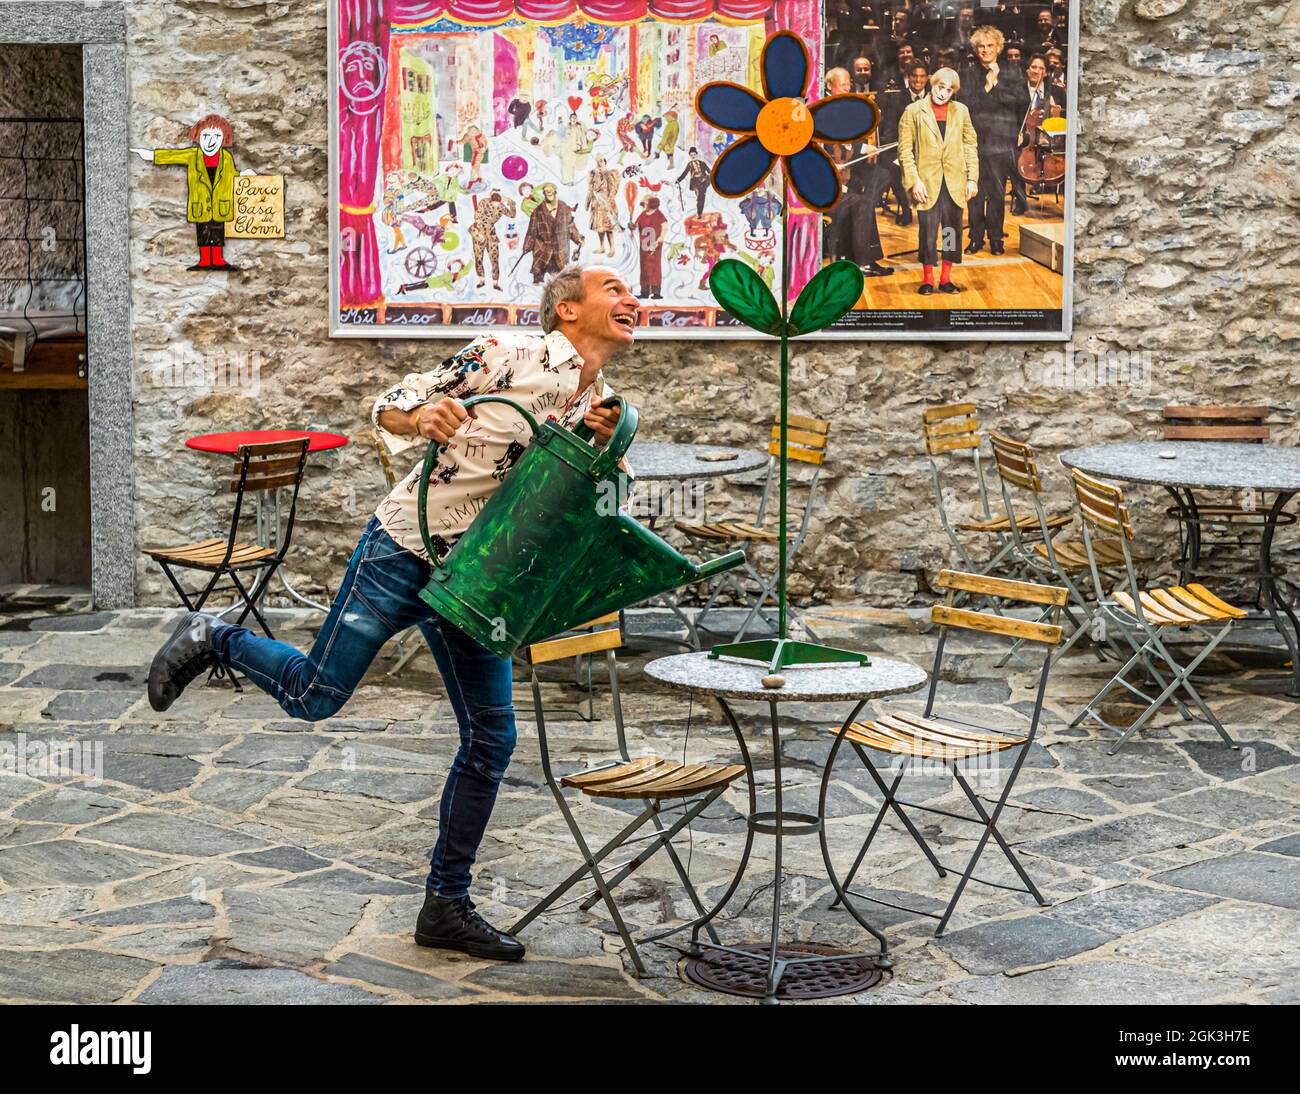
(951, 428)
(269, 466)
(989, 623)
(1101, 504)
(1216, 423)
(1015, 462)
(802, 421)
(1003, 588)
(805, 438)
(265, 482)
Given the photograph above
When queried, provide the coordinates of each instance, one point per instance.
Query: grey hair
(564, 285)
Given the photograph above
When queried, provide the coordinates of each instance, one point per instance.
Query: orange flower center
(785, 126)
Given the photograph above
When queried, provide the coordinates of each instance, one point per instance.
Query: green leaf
(744, 295)
(826, 298)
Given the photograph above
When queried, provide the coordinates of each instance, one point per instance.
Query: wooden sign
(259, 208)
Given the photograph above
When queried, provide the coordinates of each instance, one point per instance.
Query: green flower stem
(785, 391)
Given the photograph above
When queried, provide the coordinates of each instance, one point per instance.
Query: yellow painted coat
(923, 153)
(207, 199)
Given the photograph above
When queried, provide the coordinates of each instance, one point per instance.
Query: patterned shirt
(541, 373)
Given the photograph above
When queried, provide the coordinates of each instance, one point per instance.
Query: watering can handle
(431, 458)
(619, 443)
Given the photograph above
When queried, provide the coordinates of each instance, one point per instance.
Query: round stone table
(659, 461)
(726, 679)
(1182, 468)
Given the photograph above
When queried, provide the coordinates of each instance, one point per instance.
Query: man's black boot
(181, 658)
(453, 924)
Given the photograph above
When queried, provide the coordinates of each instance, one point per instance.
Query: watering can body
(552, 548)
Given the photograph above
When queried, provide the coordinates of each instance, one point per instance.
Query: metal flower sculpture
(781, 125)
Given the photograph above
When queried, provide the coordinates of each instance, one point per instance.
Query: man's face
(837, 82)
(209, 141)
(1037, 70)
(1013, 56)
(987, 52)
(904, 56)
(548, 192)
(917, 79)
(1044, 21)
(941, 91)
(607, 311)
(862, 69)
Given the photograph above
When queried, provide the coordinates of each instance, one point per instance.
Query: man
(941, 166)
(589, 316)
(861, 75)
(1039, 100)
(851, 230)
(895, 75)
(550, 231)
(649, 227)
(483, 234)
(1043, 37)
(892, 106)
(696, 172)
(995, 111)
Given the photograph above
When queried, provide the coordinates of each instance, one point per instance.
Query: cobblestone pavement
(233, 855)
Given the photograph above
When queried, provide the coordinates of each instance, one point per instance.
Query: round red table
(228, 444)
(268, 513)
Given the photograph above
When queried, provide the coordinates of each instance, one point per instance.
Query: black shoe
(903, 219)
(948, 287)
(455, 925)
(974, 246)
(874, 269)
(181, 658)
(925, 288)
(997, 249)
(1019, 209)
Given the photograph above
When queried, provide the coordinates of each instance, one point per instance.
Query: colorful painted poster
(477, 146)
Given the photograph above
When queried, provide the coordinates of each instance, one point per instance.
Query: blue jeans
(378, 599)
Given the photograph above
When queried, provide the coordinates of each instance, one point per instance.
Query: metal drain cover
(741, 974)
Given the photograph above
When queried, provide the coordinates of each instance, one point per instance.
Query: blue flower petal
(741, 167)
(843, 118)
(729, 107)
(813, 177)
(785, 66)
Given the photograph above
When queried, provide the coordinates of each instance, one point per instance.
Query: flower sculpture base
(778, 653)
(780, 125)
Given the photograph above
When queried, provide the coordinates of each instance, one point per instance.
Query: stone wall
(1186, 260)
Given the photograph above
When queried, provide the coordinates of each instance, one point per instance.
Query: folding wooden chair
(1061, 561)
(261, 467)
(805, 442)
(1144, 617)
(1223, 531)
(948, 431)
(950, 741)
(649, 779)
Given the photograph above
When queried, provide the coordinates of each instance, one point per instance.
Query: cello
(1041, 161)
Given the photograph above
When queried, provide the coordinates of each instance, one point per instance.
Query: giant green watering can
(552, 548)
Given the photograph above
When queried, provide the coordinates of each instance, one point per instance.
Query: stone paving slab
(234, 855)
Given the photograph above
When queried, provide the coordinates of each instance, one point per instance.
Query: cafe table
(269, 529)
(1184, 467)
(772, 968)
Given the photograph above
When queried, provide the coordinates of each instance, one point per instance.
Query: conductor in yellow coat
(939, 157)
(210, 178)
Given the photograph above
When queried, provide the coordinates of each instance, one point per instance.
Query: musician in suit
(892, 105)
(939, 153)
(851, 230)
(1039, 100)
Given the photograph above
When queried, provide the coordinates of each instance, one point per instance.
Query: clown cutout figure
(210, 178)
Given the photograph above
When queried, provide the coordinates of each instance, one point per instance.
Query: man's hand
(601, 420)
(919, 194)
(438, 421)
(972, 188)
(872, 152)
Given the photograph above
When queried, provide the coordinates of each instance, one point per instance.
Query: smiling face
(1036, 71)
(210, 141)
(986, 51)
(917, 78)
(607, 312)
(941, 90)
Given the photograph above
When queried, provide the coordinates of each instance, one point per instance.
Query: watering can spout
(551, 548)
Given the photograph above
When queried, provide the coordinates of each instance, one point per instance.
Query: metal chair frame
(261, 467)
(980, 742)
(1102, 506)
(661, 839)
